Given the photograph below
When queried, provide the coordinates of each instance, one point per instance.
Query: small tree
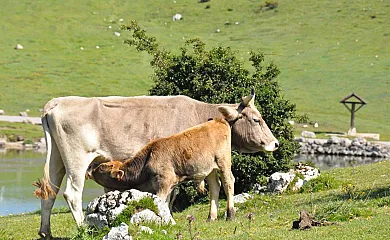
(217, 76)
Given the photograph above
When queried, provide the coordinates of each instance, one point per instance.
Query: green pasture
(325, 50)
(358, 209)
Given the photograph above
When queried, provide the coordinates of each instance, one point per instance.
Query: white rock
(146, 229)
(305, 126)
(19, 46)
(97, 47)
(23, 114)
(308, 134)
(177, 17)
(118, 233)
(104, 209)
(145, 216)
(2, 112)
(316, 125)
(117, 34)
(278, 182)
(291, 122)
(218, 30)
(242, 197)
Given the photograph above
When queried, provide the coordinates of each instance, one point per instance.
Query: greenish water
(17, 172)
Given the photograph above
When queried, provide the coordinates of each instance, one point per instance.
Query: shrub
(217, 76)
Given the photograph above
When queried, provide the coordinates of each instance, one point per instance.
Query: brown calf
(198, 153)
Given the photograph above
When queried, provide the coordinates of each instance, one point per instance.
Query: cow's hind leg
(75, 177)
(57, 172)
(214, 185)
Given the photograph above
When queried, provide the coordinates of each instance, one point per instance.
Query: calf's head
(107, 174)
(250, 133)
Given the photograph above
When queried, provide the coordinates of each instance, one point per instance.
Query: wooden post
(353, 99)
(353, 116)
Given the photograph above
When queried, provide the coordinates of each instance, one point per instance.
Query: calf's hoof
(230, 214)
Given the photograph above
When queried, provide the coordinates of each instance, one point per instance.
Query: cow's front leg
(215, 186)
(73, 192)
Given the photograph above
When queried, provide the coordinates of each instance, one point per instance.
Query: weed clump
(134, 207)
(323, 182)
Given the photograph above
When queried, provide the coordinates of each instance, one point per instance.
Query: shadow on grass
(369, 194)
(327, 132)
(55, 238)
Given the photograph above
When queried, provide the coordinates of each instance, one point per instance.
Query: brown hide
(190, 155)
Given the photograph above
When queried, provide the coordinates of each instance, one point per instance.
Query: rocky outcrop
(103, 210)
(278, 182)
(342, 146)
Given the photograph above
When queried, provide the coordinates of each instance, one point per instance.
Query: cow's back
(118, 126)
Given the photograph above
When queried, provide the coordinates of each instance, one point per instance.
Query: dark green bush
(217, 76)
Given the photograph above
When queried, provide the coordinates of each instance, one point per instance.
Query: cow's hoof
(209, 219)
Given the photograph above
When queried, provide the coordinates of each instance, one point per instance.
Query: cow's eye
(256, 120)
(101, 168)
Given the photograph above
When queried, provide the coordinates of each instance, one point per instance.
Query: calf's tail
(45, 190)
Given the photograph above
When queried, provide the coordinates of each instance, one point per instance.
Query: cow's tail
(45, 190)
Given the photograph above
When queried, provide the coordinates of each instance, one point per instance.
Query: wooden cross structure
(354, 100)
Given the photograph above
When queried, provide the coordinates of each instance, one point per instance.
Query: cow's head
(107, 174)
(250, 133)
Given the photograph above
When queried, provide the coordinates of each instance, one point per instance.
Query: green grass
(12, 130)
(360, 207)
(325, 50)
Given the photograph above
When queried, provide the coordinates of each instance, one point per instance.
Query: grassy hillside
(325, 50)
(360, 206)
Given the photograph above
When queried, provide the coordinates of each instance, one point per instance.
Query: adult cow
(79, 130)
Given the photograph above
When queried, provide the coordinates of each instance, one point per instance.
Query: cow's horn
(249, 99)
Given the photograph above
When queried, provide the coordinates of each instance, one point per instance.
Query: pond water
(17, 172)
(19, 169)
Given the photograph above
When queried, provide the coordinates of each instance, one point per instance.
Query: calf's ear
(228, 113)
(119, 175)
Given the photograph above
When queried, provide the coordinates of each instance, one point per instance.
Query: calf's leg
(215, 186)
(228, 186)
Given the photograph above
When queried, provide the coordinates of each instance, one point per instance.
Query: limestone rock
(103, 210)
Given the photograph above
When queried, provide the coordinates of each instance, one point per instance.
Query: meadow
(358, 209)
(325, 51)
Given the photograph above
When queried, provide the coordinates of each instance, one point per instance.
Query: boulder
(177, 17)
(23, 114)
(278, 182)
(2, 112)
(242, 197)
(119, 233)
(103, 210)
(308, 134)
(18, 46)
(145, 216)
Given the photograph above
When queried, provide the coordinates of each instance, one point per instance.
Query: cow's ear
(119, 175)
(230, 114)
